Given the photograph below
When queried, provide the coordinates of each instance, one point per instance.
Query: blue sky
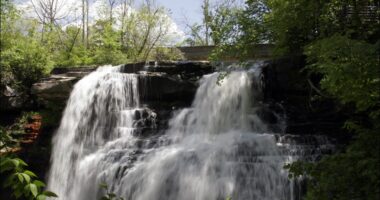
(183, 11)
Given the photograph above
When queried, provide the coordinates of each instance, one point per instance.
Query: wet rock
(181, 69)
(285, 81)
(159, 81)
(133, 67)
(144, 118)
(159, 86)
(184, 69)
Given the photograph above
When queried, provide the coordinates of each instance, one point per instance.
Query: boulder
(11, 99)
(54, 91)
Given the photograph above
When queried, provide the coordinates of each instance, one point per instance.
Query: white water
(215, 149)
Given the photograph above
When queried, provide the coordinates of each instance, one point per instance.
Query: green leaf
(39, 183)
(21, 162)
(49, 194)
(30, 173)
(26, 177)
(15, 162)
(33, 189)
(41, 197)
(20, 177)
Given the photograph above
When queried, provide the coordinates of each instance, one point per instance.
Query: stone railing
(258, 51)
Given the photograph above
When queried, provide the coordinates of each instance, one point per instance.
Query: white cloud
(69, 13)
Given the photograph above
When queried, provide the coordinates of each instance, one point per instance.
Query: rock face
(162, 81)
(55, 90)
(167, 86)
(284, 81)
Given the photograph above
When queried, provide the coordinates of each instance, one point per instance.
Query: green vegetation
(23, 183)
(30, 47)
(11, 136)
(340, 40)
(23, 60)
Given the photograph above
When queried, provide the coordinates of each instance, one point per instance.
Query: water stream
(217, 148)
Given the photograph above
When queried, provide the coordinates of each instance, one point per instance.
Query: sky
(182, 12)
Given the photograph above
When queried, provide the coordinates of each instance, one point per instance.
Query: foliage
(340, 40)
(220, 22)
(350, 70)
(73, 52)
(26, 61)
(353, 174)
(23, 60)
(294, 24)
(10, 136)
(106, 48)
(31, 47)
(240, 29)
(195, 36)
(144, 29)
(6, 140)
(24, 183)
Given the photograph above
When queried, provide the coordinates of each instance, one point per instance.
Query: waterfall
(99, 111)
(215, 149)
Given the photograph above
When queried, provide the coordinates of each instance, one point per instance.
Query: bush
(24, 64)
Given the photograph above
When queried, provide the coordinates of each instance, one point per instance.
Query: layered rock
(162, 81)
(285, 81)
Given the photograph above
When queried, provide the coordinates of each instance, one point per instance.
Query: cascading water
(217, 148)
(99, 110)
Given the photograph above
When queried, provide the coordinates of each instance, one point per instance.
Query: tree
(206, 20)
(144, 29)
(125, 12)
(106, 47)
(85, 8)
(195, 37)
(23, 60)
(49, 12)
